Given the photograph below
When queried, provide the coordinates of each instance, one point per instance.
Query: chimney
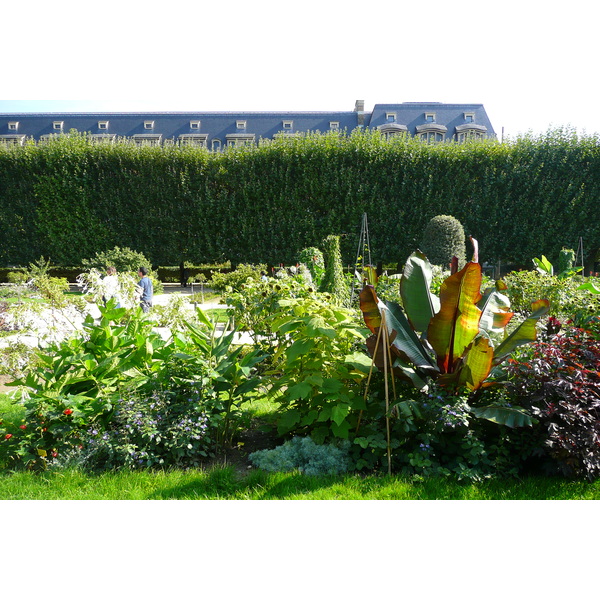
(359, 107)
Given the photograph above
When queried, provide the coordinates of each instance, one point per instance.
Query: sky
(531, 64)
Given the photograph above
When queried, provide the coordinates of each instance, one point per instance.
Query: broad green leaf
(246, 387)
(456, 324)
(342, 430)
(339, 413)
(300, 390)
(360, 361)
(407, 409)
(525, 333)
(408, 373)
(298, 348)
(503, 415)
(288, 420)
(590, 287)
(314, 380)
(420, 304)
(331, 385)
(310, 417)
(543, 265)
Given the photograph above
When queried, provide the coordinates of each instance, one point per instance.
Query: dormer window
(469, 117)
(102, 124)
(288, 125)
(390, 117)
(195, 125)
(148, 124)
(240, 124)
(57, 125)
(429, 117)
(13, 125)
(334, 125)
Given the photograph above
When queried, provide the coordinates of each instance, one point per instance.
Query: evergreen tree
(444, 238)
(333, 280)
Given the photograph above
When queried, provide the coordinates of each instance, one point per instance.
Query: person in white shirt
(111, 287)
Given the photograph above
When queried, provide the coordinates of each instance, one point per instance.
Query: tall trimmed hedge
(69, 198)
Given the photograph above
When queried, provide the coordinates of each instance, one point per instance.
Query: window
(103, 138)
(195, 125)
(12, 139)
(334, 125)
(390, 117)
(431, 132)
(13, 125)
(193, 139)
(147, 139)
(216, 145)
(148, 124)
(389, 130)
(235, 140)
(469, 117)
(102, 124)
(57, 125)
(46, 137)
(288, 125)
(470, 131)
(430, 117)
(240, 124)
(431, 136)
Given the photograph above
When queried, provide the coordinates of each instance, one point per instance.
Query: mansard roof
(452, 116)
(409, 116)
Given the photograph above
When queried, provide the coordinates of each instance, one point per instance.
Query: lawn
(226, 483)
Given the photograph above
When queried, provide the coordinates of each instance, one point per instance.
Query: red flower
(54, 453)
(22, 426)
(8, 436)
(68, 411)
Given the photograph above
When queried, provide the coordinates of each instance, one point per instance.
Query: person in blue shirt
(146, 289)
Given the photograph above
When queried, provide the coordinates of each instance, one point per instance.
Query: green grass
(226, 484)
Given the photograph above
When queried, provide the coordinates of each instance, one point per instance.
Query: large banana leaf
(456, 324)
(404, 341)
(495, 309)
(503, 415)
(525, 333)
(420, 304)
(477, 363)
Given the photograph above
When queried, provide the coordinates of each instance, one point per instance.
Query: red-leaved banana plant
(447, 339)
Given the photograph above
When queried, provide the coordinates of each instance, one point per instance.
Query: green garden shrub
(70, 197)
(566, 263)
(334, 281)
(223, 281)
(313, 259)
(444, 238)
(117, 394)
(124, 260)
(566, 299)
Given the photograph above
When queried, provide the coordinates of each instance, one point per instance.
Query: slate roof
(218, 125)
(412, 114)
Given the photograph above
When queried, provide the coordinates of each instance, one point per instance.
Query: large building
(430, 121)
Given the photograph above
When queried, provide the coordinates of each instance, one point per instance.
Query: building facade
(429, 121)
